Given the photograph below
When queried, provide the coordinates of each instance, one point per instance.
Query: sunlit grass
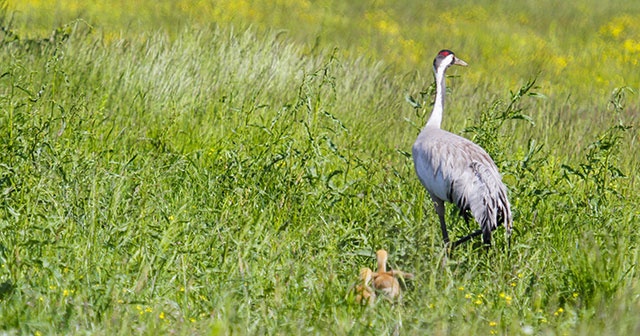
(584, 45)
(165, 169)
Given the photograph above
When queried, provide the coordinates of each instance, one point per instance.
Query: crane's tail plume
(489, 204)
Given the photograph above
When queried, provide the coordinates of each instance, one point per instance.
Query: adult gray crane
(456, 170)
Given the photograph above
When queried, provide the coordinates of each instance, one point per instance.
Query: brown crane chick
(387, 282)
(364, 293)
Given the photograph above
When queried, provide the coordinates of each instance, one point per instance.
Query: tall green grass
(218, 180)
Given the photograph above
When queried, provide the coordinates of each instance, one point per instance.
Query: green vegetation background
(217, 167)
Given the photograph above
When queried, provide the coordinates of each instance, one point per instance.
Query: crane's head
(365, 274)
(445, 59)
(381, 256)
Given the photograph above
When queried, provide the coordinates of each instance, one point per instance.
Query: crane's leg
(466, 238)
(486, 236)
(439, 205)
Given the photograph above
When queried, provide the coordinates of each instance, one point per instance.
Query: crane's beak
(459, 62)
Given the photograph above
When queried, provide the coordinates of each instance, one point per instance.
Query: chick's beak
(459, 62)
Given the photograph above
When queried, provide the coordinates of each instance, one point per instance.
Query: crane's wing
(457, 170)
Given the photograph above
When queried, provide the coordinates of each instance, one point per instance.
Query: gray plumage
(456, 170)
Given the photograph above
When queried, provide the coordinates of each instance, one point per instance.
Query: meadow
(227, 167)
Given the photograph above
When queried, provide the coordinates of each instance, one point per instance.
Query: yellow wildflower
(507, 299)
(631, 45)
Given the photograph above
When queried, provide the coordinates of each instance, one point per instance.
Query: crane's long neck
(438, 107)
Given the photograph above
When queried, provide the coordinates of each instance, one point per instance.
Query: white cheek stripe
(444, 64)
